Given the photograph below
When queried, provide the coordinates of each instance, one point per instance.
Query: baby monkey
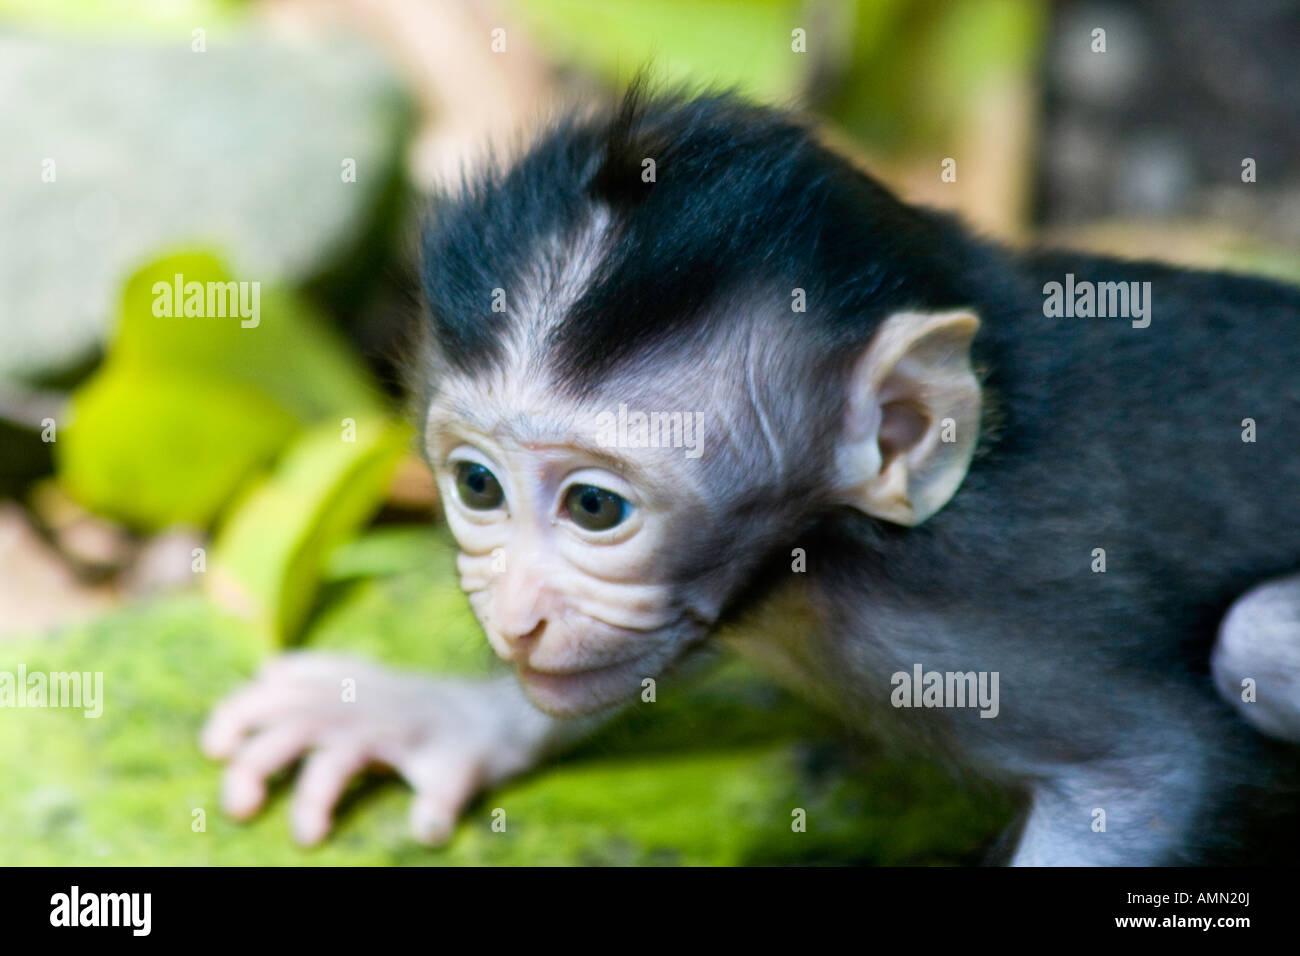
(690, 375)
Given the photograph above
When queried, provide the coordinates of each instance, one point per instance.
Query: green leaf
(156, 449)
(186, 408)
(291, 355)
(741, 43)
(136, 17)
(885, 100)
(269, 556)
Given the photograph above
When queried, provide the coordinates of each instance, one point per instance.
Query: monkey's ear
(913, 417)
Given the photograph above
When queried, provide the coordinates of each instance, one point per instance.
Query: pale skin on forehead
(517, 405)
(534, 418)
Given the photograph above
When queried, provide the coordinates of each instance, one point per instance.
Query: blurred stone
(38, 589)
(1157, 127)
(1107, 78)
(92, 542)
(1155, 176)
(165, 563)
(114, 152)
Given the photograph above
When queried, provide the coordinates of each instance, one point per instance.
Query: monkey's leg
(1133, 812)
(1256, 662)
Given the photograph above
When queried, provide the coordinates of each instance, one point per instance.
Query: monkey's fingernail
(308, 831)
(216, 741)
(241, 794)
(430, 825)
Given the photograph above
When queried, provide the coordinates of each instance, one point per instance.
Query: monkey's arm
(448, 738)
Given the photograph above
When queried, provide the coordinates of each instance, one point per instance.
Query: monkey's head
(662, 342)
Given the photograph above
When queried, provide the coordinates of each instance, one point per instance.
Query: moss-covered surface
(710, 774)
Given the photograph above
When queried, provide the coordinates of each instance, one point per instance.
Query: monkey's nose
(520, 641)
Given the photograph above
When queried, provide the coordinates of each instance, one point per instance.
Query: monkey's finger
(244, 783)
(324, 777)
(257, 704)
(242, 793)
(440, 797)
(312, 665)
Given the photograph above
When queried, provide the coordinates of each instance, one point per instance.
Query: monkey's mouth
(570, 693)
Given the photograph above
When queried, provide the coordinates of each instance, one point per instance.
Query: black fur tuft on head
(744, 206)
(619, 181)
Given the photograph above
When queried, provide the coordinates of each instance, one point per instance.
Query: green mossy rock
(708, 775)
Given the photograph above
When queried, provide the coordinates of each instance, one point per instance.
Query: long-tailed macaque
(689, 374)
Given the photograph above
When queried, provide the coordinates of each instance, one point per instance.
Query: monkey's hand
(448, 738)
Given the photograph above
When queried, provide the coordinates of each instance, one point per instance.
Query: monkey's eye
(477, 487)
(594, 509)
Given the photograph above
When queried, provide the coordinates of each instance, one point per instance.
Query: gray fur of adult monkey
(948, 458)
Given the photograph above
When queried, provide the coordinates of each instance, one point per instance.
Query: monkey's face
(562, 544)
(729, 290)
